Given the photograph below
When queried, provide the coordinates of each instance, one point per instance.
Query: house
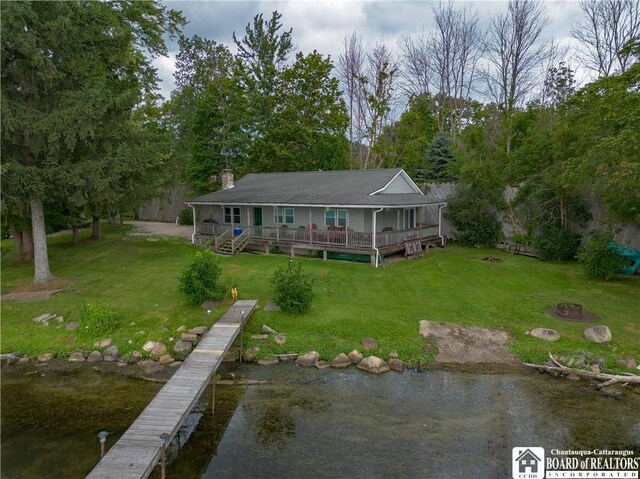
(351, 214)
(528, 460)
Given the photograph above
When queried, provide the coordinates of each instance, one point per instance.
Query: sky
(323, 24)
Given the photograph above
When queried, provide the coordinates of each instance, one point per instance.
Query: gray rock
(598, 334)
(148, 346)
(199, 330)
(94, 357)
(182, 329)
(250, 353)
(396, 364)
(268, 361)
(183, 347)
(43, 358)
(370, 344)
(150, 367)
(43, 318)
(166, 359)
(271, 307)
(309, 359)
(175, 364)
(122, 364)
(158, 350)
(260, 337)
(103, 343)
(192, 338)
(393, 354)
(322, 364)
(628, 363)
(136, 356)
(267, 330)
(374, 364)
(341, 361)
(355, 356)
(596, 368)
(280, 339)
(77, 357)
(23, 360)
(286, 357)
(546, 334)
(111, 353)
(60, 319)
(8, 359)
(72, 326)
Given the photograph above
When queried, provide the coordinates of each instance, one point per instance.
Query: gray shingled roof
(321, 188)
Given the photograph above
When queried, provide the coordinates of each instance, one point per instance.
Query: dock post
(213, 394)
(241, 335)
(164, 437)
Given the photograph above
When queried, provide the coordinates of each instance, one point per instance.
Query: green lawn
(138, 277)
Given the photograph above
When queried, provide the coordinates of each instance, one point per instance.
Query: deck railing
(346, 239)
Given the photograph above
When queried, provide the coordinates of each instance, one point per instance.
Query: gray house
(351, 214)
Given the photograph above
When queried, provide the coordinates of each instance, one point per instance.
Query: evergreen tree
(440, 157)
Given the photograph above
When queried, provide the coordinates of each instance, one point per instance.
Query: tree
(71, 74)
(350, 67)
(440, 157)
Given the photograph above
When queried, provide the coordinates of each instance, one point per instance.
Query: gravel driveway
(155, 228)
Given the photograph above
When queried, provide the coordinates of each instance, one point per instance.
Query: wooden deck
(138, 451)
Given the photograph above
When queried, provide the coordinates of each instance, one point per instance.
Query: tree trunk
(112, 219)
(27, 246)
(95, 228)
(75, 238)
(17, 237)
(42, 273)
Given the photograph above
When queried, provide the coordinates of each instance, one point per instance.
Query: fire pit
(571, 312)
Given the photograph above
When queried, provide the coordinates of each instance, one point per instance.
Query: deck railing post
(164, 437)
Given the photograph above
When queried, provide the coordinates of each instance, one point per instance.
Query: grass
(137, 277)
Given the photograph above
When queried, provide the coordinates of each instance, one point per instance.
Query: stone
(60, 319)
(182, 329)
(8, 359)
(286, 357)
(546, 334)
(370, 344)
(94, 357)
(199, 330)
(43, 318)
(280, 339)
(309, 359)
(175, 364)
(103, 343)
(393, 354)
(627, 363)
(267, 330)
(148, 346)
(72, 326)
(111, 353)
(268, 361)
(166, 359)
(596, 368)
(374, 364)
(341, 361)
(612, 393)
(77, 357)
(271, 307)
(136, 356)
(183, 347)
(150, 367)
(355, 356)
(23, 360)
(158, 350)
(598, 334)
(122, 364)
(322, 364)
(43, 358)
(251, 353)
(260, 337)
(396, 364)
(192, 338)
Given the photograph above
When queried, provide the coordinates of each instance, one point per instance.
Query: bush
(199, 281)
(474, 214)
(557, 243)
(97, 319)
(293, 289)
(185, 217)
(598, 260)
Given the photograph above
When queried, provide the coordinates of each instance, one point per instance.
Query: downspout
(443, 205)
(193, 236)
(373, 237)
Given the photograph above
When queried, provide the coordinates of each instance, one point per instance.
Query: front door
(257, 222)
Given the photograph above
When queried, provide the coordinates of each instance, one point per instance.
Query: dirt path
(154, 228)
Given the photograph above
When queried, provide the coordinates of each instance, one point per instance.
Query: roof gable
(401, 183)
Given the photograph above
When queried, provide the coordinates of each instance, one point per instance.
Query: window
(335, 218)
(232, 215)
(409, 218)
(283, 216)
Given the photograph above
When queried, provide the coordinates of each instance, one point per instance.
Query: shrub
(598, 260)
(293, 288)
(473, 213)
(199, 280)
(97, 319)
(185, 217)
(557, 243)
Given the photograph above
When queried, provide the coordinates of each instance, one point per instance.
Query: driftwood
(608, 379)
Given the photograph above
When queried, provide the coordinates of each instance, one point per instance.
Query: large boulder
(374, 364)
(94, 357)
(111, 353)
(546, 334)
(309, 359)
(355, 356)
(396, 364)
(341, 361)
(598, 334)
(191, 337)
(322, 364)
(183, 347)
(150, 367)
(370, 344)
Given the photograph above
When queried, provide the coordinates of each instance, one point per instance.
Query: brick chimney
(227, 179)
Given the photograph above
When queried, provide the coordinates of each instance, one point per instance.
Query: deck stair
(234, 245)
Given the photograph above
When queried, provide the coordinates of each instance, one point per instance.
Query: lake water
(317, 423)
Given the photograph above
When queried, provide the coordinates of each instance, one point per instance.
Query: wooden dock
(139, 449)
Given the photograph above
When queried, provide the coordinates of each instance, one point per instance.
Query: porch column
(310, 228)
(398, 219)
(193, 236)
(275, 218)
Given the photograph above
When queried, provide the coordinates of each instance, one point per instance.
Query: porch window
(409, 218)
(232, 215)
(284, 216)
(335, 218)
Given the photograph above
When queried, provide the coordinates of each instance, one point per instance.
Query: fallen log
(608, 379)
